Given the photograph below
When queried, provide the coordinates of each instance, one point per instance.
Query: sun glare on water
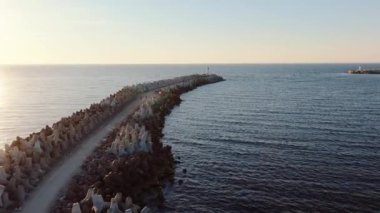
(2, 91)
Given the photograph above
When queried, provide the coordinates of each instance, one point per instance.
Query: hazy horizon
(205, 64)
(189, 32)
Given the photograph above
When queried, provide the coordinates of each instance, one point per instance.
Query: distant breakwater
(374, 71)
(25, 161)
(127, 170)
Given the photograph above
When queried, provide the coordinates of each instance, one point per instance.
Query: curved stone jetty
(35, 168)
(127, 170)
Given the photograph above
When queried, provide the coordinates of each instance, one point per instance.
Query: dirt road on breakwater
(44, 195)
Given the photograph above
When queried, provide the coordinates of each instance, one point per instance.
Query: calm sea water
(270, 138)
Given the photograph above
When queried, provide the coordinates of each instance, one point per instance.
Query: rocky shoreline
(26, 161)
(118, 179)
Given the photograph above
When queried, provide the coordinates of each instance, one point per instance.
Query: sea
(271, 138)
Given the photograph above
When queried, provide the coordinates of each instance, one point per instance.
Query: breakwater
(25, 161)
(373, 71)
(127, 170)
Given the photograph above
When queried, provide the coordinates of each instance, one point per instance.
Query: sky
(189, 31)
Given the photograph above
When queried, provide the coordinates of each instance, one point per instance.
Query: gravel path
(48, 189)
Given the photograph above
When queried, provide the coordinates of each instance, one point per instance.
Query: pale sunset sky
(189, 31)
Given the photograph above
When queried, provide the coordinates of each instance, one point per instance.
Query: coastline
(136, 177)
(51, 185)
(34, 169)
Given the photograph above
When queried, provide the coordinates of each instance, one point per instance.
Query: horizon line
(118, 64)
